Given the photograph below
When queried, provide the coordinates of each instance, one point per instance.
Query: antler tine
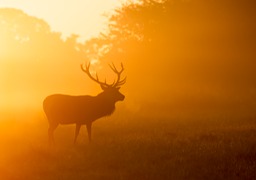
(87, 71)
(122, 66)
(97, 78)
(88, 66)
(118, 82)
(121, 82)
(113, 68)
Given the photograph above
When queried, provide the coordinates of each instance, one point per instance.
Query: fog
(190, 94)
(197, 57)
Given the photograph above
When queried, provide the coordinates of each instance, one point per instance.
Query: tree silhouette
(193, 50)
(34, 59)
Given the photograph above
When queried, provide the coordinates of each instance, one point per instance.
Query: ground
(131, 147)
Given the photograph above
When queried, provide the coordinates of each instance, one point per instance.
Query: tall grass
(130, 147)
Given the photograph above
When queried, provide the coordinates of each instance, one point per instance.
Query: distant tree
(21, 32)
(195, 49)
(149, 36)
(33, 58)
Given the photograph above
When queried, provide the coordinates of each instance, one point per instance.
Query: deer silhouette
(85, 109)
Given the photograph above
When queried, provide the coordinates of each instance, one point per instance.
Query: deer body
(82, 110)
(65, 109)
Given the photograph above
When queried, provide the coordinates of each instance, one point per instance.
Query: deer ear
(103, 87)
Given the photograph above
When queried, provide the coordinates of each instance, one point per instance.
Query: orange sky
(83, 17)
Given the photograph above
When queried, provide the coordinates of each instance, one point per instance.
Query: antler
(118, 81)
(87, 71)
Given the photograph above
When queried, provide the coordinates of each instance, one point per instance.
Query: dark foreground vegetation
(131, 147)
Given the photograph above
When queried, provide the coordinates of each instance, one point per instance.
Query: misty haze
(185, 111)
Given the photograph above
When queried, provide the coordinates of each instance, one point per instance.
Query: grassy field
(130, 147)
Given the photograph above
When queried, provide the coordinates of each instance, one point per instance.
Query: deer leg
(78, 126)
(51, 129)
(89, 130)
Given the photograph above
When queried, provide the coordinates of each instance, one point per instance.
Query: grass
(131, 147)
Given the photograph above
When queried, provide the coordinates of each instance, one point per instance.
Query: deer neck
(106, 99)
(107, 104)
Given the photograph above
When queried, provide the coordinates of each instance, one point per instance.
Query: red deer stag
(80, 110)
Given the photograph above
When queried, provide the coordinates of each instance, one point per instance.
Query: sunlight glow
(83, 17)
(19, 87)
(193, 53)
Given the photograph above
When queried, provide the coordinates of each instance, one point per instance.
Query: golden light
(85, 18)
(25, 76)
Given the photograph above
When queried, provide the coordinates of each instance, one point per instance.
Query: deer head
(110, 91)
